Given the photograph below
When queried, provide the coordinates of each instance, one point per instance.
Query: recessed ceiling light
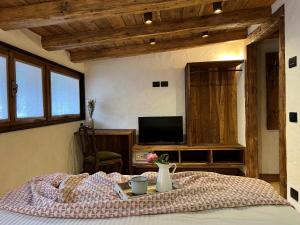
(152, 41)
(148, 18)
(205, 34)
(217, 6)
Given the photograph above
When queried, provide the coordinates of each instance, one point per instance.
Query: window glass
(29, 79)
(65, 95)
(3, 89)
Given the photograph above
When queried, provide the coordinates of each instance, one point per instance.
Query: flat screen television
(161, 130)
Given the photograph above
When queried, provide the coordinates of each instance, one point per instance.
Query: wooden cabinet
(226, 159)
(211, 102)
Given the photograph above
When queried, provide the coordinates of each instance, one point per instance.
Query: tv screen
(161, 129)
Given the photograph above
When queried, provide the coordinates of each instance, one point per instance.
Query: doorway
(253, 120)
(268, 110)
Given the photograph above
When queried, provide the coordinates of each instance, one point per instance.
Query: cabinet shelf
(194, 157)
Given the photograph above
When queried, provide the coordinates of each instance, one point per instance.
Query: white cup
(138, 185)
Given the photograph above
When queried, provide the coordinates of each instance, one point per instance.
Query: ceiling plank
(231, 20)
(63, 11)
(80, 56)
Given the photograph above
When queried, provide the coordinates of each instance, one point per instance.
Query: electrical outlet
(155, 84)
(293, 62)
(293, 117)
(164, 83)
(294, 194)
(141, 156)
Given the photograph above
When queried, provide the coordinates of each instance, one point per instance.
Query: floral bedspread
(92, 196)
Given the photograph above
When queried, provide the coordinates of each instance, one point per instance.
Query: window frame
(13, 123)
(35, 63)
(67, 73)
(5, 122)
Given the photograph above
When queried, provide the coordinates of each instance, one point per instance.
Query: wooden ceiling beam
(231, 20)
(80, 56)
(266, 29)
(263, 31)
(65, 11)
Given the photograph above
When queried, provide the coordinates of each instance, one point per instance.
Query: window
(36, 92)
(3, 89)
(65, 96)
(30, 102)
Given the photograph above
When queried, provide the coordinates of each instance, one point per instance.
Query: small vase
(91, 123)
(164, 181)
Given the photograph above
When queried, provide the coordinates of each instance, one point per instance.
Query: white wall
(31, 42)
(241, 109)
(268, 140)
(123, 89)
(292, 48)
(33, 152)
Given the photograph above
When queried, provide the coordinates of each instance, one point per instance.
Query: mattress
(257, 215)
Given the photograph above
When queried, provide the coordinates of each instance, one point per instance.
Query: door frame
(275, 24)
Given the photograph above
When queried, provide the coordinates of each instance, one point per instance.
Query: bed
(206, 198)
(257, 215)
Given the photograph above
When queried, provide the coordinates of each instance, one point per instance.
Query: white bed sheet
(260, 215)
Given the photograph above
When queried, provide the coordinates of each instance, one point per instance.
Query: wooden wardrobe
(211, 102)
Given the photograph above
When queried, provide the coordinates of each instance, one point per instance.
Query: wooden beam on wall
(231, 20)
(176, 44)
(282, 110)
(65, 11)
(251, 112)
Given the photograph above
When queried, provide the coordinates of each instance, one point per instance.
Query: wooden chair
(95, 160)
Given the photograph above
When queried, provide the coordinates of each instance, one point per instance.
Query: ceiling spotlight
(217, 6)
(152, 41)
(148, 18)
(205, 34)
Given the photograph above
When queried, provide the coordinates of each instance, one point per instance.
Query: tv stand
(161, 144)
(226, 159)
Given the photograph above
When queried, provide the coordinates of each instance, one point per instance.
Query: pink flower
(151, 157)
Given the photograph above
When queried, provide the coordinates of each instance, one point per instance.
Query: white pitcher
(164, 182)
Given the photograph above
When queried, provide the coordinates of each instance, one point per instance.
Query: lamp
(152, 41)
(217, 6)
(148, 18)
(205, 34)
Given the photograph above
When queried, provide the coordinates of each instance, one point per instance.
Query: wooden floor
(276, 186)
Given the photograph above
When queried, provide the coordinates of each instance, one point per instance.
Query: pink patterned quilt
(84, 196)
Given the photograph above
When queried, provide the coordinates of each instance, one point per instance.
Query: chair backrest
(87, 139)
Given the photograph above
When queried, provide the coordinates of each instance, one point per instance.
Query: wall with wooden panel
(123, 87)
(292, 48)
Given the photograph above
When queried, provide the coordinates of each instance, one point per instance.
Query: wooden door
(272, 85)
(211, 105)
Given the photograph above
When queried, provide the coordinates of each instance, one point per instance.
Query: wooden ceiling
(97, 29)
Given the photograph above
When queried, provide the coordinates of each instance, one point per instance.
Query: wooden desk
(120, 141)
